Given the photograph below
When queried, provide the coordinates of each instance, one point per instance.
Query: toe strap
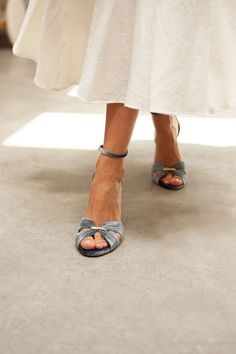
(106, 230)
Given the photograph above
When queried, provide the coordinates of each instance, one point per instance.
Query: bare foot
(104, 202)
(167, 149)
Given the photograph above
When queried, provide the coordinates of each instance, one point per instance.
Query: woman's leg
(105, 197)
(167, 149)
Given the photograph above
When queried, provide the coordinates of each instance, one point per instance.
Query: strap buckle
(97, 228)
(169, 169)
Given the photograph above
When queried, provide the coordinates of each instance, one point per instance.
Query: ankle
(165, 124)
(166, 138)
(110, 168)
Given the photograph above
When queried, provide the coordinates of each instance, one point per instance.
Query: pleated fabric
(166, 56)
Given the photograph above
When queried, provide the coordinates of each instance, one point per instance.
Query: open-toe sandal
(111, 230)
(160, 170)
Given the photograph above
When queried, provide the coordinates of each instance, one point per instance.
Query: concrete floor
(169, 288)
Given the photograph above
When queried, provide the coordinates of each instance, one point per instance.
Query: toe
(104, 243)
(99, 240)
(166, 179)
(88, 243)
(176, 180)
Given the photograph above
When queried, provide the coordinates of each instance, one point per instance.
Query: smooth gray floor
(168, 289)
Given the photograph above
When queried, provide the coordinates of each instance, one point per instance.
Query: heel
(178, 125)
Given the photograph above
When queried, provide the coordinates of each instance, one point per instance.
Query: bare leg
(105, 197)
(167, 149)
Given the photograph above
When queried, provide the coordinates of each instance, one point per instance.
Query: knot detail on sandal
(97, 228)
(168, 169)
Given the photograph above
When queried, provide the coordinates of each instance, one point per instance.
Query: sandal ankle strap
(111, 154)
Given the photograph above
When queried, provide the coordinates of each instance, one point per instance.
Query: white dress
(166, 56)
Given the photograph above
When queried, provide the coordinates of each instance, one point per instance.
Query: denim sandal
(105, 230)
(108, 229)
(160, 170)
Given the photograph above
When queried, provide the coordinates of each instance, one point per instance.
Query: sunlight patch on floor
(85, 131)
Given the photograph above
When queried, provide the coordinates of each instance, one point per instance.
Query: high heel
(160, 170)
(106, 229)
